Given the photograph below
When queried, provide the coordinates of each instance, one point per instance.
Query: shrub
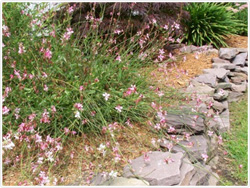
(50, 71)
(209, 23)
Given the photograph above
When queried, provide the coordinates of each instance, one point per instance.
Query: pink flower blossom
(106, 96)
(45, 87)
(204, 156)
(119, 108)
(53, 109)
(70, 9)
(168, 160)
(78, 106)
(48, 54)
(21, 49)
(81, 88)
(146, 157)
(5, 110)
(118, 58)
(45, 117)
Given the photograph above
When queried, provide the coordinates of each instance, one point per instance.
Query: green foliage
(242, 15)
(91, 63)
(209, 23)
(236, 140)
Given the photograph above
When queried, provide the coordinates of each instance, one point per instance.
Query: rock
(194, 152)
(209, 79)
(217, 60)
(228, 53)
(246, 63)
(99, 179)
(227, 66)
(224, 85)
(188, 49)
(214, 161)
(240, 59)
(234, 96)
(221, 95)
(238, 79)
(213, 179)
(223, 121)
(121, 181)
(242, 69)
(212, 51)
(201, 176)
(242, 50)
(200, 88)
(219, 73)
(187, 172)
(182, 121)
(239, 88)
(220, 106)
(156, 171)
(226, 80)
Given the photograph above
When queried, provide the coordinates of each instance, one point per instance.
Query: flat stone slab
(223, 121)
(227, 66)
(121, 181)
(194, 152)
(200, 88)
(220, 73)
(224, 85)
(221, 95)
(239, 88)
(234, 96)
(228, 53)
(183, 121)
(242, 69)
(209, 79)
(240, 59)
(220, 106)
(218, 60)
(156, 171)
(201, 176)
(187, 172)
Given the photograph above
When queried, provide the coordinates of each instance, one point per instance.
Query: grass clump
(209, 23)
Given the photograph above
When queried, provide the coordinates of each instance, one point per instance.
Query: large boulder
(228, 53)
(156, 171)
(234, 96)
(239, 88)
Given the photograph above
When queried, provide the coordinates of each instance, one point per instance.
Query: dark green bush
(243, 17)
(209, 23)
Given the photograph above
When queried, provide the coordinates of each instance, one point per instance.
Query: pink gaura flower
(78, 106)
(21, 49)
(168, 160)
(45, 117)
(146, 157)
(66, 130)
(106, 96)
(71, 9)
(204, 156)
(53, 109)
(45, 87)
(48, 54)
(81, 88)
(118, 58)
(5, 110)
(119, 108)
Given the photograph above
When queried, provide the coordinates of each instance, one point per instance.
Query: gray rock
(237, 79)
(209, 79)
(219, 73)
(99, 179)
(224, 85)
(121, 181)
(211, 51)
(227, 66)
(242, 50)
(217, 60)
(194, 152)
(239, 88)
(214, 161)
(223, 121)
(246, 63)
(220, 106)
(242, 69)
(240, 59)
(213, 179)
(200, 88)
(188, 49)
(234, 96)
(156, 171)
(187, 172)
(221, 95)
(228, 53)
(201, 176)
(184, 121)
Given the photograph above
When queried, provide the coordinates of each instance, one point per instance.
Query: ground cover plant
(59, 84)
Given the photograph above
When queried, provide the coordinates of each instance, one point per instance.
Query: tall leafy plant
(209, 23)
